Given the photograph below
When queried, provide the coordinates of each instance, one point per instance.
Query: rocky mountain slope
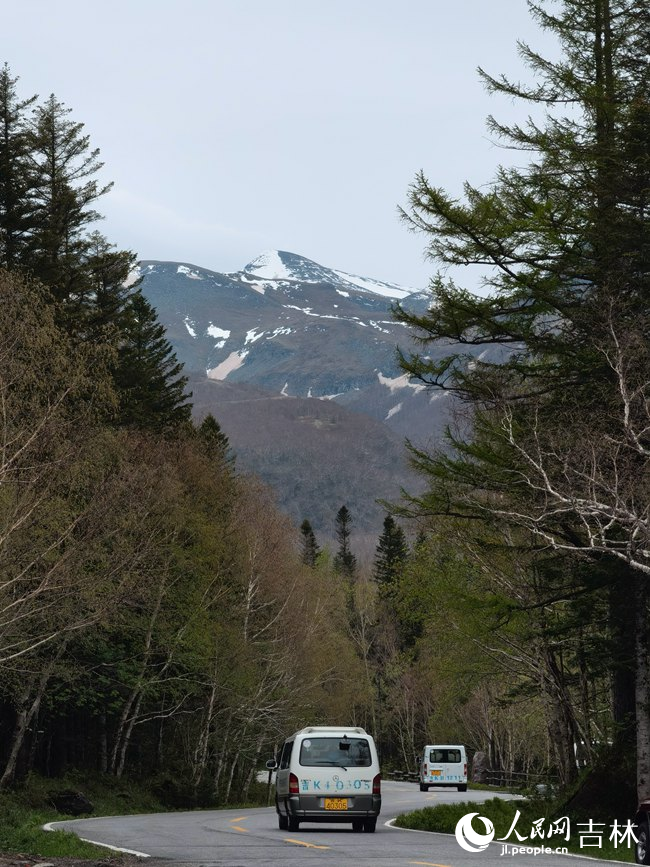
(298, 363)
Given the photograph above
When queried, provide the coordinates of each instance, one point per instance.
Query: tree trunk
(222, 755)
(103, 744)
(27, 709)
(642, 691)
(622, 613)
(251, 773)
(233, 766)
(126, 738)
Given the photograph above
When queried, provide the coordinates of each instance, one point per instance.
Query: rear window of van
(335, 753)
(444, 756)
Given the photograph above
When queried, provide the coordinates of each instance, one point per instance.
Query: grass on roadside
(21, 832)
(25, 809)
(444, 817)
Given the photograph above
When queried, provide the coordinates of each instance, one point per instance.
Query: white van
(443, 765)
(327, 774)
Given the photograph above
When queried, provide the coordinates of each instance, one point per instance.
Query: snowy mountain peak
(275, 265)
(281, 265)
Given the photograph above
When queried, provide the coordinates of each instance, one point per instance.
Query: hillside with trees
(545, 486)
(145, 585)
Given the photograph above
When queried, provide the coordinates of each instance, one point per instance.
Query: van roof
(312, 730)
(444, 747)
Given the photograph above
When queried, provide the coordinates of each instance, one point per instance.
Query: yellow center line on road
(239, 819)
(239, 828)
(303, 843)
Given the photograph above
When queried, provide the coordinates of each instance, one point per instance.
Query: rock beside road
(71, 803)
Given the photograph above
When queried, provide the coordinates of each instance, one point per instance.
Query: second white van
(327, 774)
(443, 765)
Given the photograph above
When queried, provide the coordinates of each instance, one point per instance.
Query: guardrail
(404, 776)
(508, 779)
(517, 779)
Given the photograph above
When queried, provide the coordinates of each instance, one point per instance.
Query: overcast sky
(234, 126)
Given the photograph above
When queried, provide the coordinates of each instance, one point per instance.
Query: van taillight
(465, 769)
(424, 768)
(293, 784)
(376, 785)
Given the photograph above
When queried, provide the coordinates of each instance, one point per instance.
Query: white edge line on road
(389, 824)
(50, 827)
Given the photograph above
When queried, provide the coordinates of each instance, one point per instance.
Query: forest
(161, 619)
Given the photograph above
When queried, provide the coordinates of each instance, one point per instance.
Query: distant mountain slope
(288, 327)
(315, 454)
(294, 327)
(278, 265)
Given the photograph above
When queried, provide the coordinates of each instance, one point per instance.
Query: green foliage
(215, 440)
(15, 208)
(539, 485)
(48, 193)
(25, 809)
(345, 562)
(148, 376)
(143, 589)
(391, 553)
(310, 549)
(502, 813)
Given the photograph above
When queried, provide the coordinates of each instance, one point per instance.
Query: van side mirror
(271, 764)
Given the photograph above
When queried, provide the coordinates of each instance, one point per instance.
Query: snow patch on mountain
(397, 383)
(188, 272)
(230, 364)
(213, 331)
(269, 266)
(252, 282)
(133, 277)
(281, 266)
(388, 290)
(252, 336)
(190, 326)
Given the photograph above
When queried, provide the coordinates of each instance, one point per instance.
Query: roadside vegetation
(26, 808)
(526, 815)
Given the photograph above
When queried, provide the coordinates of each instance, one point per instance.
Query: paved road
(251, 838)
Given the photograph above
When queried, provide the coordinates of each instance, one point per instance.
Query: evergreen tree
(310, 549)
(391, 553)
(148, 376)
(109, 272)
(16, 210)
(565, 244)
(561, 239)
(64, 191)
(345, 563)
(215, 439)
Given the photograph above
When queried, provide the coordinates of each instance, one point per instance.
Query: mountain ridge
(292, 328)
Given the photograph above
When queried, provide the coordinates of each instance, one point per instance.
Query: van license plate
(435, 773)
(336, 803)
